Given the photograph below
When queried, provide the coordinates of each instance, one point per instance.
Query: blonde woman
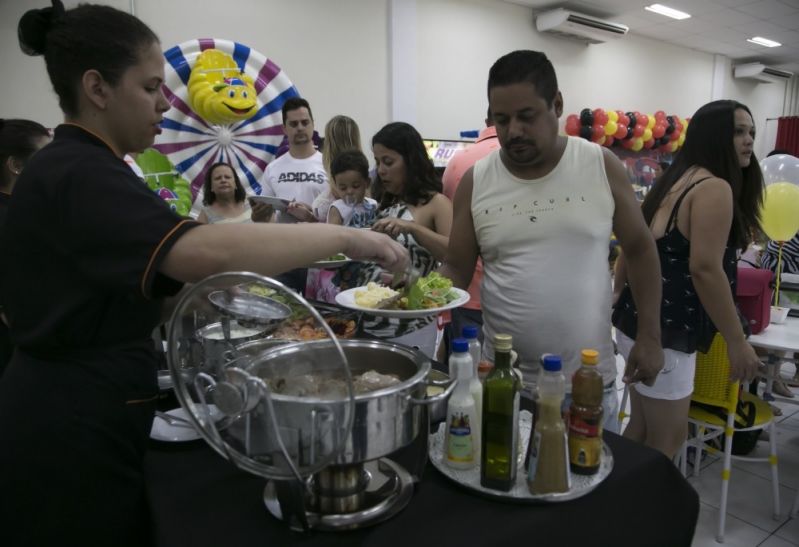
(341, 133)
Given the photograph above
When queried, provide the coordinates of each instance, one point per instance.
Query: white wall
(337, 53)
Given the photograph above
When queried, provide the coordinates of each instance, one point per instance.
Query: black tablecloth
(199, 499)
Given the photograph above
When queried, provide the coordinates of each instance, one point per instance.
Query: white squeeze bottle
(475, 348)
(462, 441)
(475, 386)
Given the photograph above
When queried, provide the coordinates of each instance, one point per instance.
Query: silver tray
(470, 478)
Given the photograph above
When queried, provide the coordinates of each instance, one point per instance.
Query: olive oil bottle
(500, 437)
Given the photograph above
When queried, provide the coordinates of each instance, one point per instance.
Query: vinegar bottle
(548, 470)
(585, 416)
(462, 438)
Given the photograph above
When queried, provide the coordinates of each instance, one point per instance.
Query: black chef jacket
(79, 282)
(5, 341)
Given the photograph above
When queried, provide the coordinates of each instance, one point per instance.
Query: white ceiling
(715, 26)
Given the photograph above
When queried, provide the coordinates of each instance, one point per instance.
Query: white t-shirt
(358, 215)
(544, 244)
(295, 179)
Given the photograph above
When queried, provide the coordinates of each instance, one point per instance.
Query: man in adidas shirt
(299, 175)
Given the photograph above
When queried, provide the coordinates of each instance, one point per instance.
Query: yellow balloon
(638, 143)
(612, 115)
(779, 215)
(611, 127)
(647, 134)
(650, 124)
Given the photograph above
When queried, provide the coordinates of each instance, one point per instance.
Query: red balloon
(624, 120)
(638, 130)
(660, 115)
(598, 132)
(659, 130)
(572, 126)
(643, 119)
(665, 148)
(621, 132)
(649, 144)
(627, 143)
(600, 117)
(608, 141)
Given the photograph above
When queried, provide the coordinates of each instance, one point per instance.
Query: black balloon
(629, 132)
(670, 129)
(586, 117)
(632, 120)
(586, 132)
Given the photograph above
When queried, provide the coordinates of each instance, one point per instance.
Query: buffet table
(781, 341)
(198, 499)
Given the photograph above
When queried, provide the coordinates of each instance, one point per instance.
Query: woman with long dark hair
(413, 211)
(223, 197)
(702, 210)
(88, 255)
(19, 140)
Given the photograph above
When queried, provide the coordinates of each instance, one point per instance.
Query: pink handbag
(754, 294)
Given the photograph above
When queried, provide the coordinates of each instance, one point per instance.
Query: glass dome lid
(281, 418)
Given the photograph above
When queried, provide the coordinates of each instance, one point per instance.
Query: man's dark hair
(522, 66)
(295, 103)
(350, 160)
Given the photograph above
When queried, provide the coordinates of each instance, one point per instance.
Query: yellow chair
(712, 387)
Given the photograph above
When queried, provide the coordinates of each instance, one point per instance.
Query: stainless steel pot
(384, 420)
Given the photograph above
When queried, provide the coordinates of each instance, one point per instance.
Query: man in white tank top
(540, 211)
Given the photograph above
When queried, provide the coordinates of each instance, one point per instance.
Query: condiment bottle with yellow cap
(585, 416)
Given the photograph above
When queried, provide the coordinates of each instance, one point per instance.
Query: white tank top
(544, 244)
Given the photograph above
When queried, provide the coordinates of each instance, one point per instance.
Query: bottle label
(460, 443)
(578, 426)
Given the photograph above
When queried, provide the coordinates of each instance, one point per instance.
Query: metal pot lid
(211, 334)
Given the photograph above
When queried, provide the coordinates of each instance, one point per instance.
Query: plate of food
(335, 261)
(429, 295)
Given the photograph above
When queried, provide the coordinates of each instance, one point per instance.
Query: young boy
(350, 172)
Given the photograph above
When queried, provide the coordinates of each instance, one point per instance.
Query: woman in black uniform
(88, 254)
(19, 139)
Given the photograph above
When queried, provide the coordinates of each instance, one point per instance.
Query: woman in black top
(88, 254)
(19, 139)
(702, 210)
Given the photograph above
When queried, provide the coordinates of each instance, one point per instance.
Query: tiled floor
(749, 506)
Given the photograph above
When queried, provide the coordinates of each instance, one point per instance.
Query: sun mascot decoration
(226, 100)
(219, 91)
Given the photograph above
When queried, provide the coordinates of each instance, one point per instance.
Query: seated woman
(223, 197)
(413, 211)
(701, 210)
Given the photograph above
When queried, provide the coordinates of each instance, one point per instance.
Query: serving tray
(470, 478)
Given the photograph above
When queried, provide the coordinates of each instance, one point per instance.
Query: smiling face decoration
(219, 91)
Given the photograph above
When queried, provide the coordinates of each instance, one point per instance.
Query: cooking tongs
(402, 281)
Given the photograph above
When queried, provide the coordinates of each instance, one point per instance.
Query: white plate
(347, 299)
(162, 431)
(331, 263)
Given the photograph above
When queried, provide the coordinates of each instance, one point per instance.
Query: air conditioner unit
(577, 25)
(760, 73)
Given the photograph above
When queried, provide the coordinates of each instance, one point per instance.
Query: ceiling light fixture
(763, 41)
(667, 11)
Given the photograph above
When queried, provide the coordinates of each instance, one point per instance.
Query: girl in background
(702, 210)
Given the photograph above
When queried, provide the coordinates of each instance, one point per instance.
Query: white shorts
(675, 381)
